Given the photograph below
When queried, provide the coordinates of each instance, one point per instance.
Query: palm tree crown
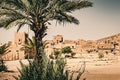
(38, 12)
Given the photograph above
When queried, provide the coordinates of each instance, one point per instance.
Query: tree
(29, 47)
(66, 50)
(37, 14)
(3, 50)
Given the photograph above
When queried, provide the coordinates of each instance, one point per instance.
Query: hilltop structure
(109, 44)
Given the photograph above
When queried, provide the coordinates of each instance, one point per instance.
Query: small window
(19, 41)
(105, 42)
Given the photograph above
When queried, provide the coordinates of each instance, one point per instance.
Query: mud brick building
(109, 44)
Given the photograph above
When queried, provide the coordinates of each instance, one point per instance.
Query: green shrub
(73, 54)
(51, 56)
(57, 54)
(66, 50)
(2, 66)
(46, 70)
(100, 55)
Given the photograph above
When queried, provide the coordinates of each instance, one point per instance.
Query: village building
(15, 52)
(109, 44)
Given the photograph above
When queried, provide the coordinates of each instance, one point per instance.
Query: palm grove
(37, 14)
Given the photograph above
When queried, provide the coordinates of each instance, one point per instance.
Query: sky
(99, 21)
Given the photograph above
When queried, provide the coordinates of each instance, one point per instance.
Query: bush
(2, 66)
(66, 49)
(57, 54)
(100, 55)
(46, 70)
(51, 56)
(73, 54)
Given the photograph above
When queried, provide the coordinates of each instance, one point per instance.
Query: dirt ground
(107, 68)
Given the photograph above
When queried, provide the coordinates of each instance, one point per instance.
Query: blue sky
(99, 21)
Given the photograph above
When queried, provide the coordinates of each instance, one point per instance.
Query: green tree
(37, 14)
(66, 50)
(3, 50)
(29, 47)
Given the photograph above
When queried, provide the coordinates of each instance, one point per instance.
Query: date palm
(37, 14)
(29, 47)
(3, 49)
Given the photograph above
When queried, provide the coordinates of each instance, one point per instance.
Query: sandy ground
(107, 68)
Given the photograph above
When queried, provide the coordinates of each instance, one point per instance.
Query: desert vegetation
(47, 70)
(3, 50)
(100, 55)
(65, 52)
(29, 48)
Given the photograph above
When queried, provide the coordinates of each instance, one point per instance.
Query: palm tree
(29, 47)
(37, 14)
(3, 50)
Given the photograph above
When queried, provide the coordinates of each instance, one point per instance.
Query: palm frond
(58, 9)
(29, 46)
(6, 12)
(75, 5)
(8, 22)
(68, 18)
(20, 25)
(4, 48)
(17, 4)
(30, 41)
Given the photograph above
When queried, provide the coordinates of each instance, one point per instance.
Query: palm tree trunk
(38, 41)
(39, 32)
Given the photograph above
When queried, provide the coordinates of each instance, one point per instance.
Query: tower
(58, 39)
(19, 41)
